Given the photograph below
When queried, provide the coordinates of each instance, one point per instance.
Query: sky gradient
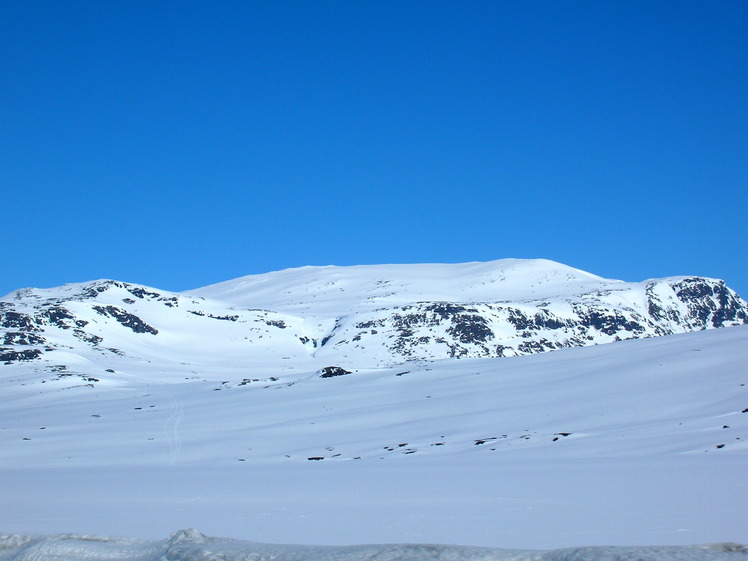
(179, 144)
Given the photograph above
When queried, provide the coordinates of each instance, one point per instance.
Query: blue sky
(178, 144)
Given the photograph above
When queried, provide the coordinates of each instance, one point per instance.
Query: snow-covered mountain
(129, 410)
(357, 317)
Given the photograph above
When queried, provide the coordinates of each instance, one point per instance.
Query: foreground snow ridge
(190, 545)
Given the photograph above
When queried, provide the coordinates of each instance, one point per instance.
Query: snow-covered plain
(636, 443)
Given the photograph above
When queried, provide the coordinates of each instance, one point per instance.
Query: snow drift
(189, 545)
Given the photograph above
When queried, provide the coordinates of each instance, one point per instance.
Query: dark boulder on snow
(332, 371)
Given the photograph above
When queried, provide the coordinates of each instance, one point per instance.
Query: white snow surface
(190, 545)
(334, 291)
(636, 442)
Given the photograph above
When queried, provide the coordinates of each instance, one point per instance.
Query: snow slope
(337, 291)
(664, 395)
(639, 442)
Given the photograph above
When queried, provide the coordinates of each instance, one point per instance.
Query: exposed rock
(127, 319)
(332, 371)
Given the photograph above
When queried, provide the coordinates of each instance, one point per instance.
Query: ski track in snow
(171, 428)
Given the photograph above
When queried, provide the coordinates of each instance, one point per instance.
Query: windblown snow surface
(641, 441)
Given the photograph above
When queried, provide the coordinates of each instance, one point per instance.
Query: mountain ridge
(360, 316)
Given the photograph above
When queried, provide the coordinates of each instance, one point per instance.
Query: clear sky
(178, 144)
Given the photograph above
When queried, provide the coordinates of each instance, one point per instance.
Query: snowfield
(240, 428)
(638, 442)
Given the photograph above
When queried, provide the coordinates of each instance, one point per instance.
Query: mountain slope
(337, 291)
(683, 394)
